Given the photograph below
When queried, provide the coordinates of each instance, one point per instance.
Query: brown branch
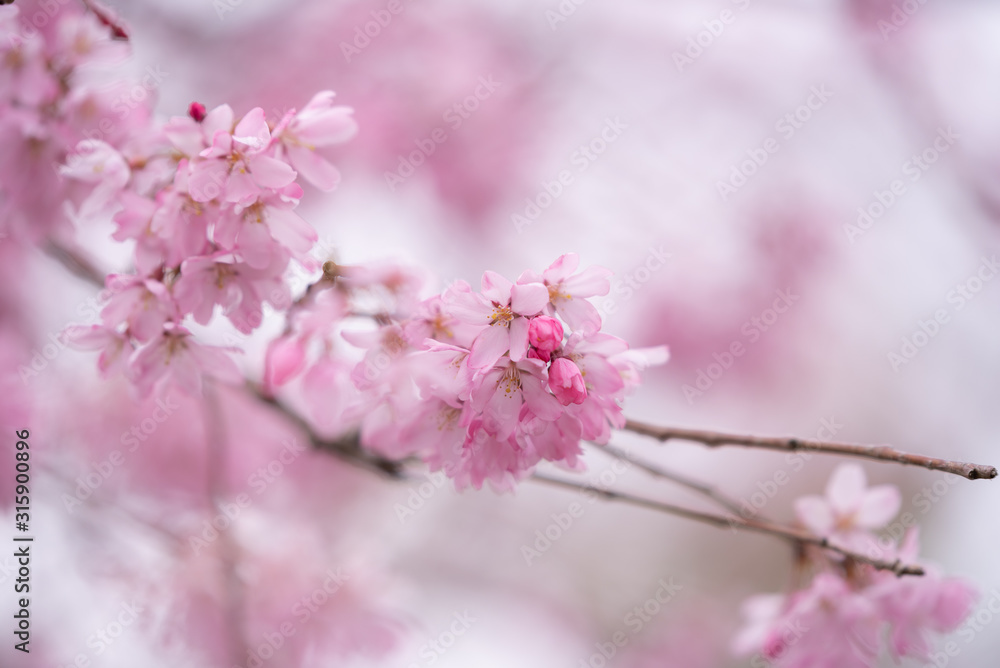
(878, 452)
(76, 263)
(658, 471)
(792, 535)
(347, 448)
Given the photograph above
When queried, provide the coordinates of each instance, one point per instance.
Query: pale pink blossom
(502, 310)
(115, 347)
(568, 291)
(851, 510)
(175, 358)
(285, 359)
(241, 290)
(98, 163)
(259, 230)
(318, 124)
(143, 304)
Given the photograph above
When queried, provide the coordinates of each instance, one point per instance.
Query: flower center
(510, 381)
(555, 294)
(502, 315)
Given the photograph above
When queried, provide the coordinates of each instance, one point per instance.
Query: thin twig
(76, 263)
(679, 478)
(879, 452)
(792, 535)
(347, 448)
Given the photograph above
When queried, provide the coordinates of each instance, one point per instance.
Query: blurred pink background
(604, 129)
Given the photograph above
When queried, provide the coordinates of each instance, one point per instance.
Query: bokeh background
(657, 117)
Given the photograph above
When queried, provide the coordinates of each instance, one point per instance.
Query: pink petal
(528, 299)
(207, 180)
(489, 346)
(496, 288)
(562, 268)
(580, 314)
(590, 282)
(878, 506)
(954, 603)
(541, 403)
(286, 357)
(314, 168)
(270, 172)
(252, 130)
(185, 134)
(255, 245)
(518, 338)
(219, 119)
(846, 488)
(332, 126)
(241, 187)
(291, 230)
(815, 513)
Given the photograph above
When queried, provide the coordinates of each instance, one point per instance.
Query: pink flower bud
(197, 111)
(536, 354)
(545, 333)
(286, 357)
(566, 382)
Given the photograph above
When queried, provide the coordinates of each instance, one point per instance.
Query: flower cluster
(840, 618)
(482, 385)
(53, 94)
(208, 199)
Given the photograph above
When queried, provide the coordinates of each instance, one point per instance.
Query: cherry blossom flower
(219, 279)
(143, 304)
(115, 347)
(502, 309)
(176, 358)
(842, 616)
(850, 510)
(258, 230)
(568, 291)
(237, 166)
(318, 124)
